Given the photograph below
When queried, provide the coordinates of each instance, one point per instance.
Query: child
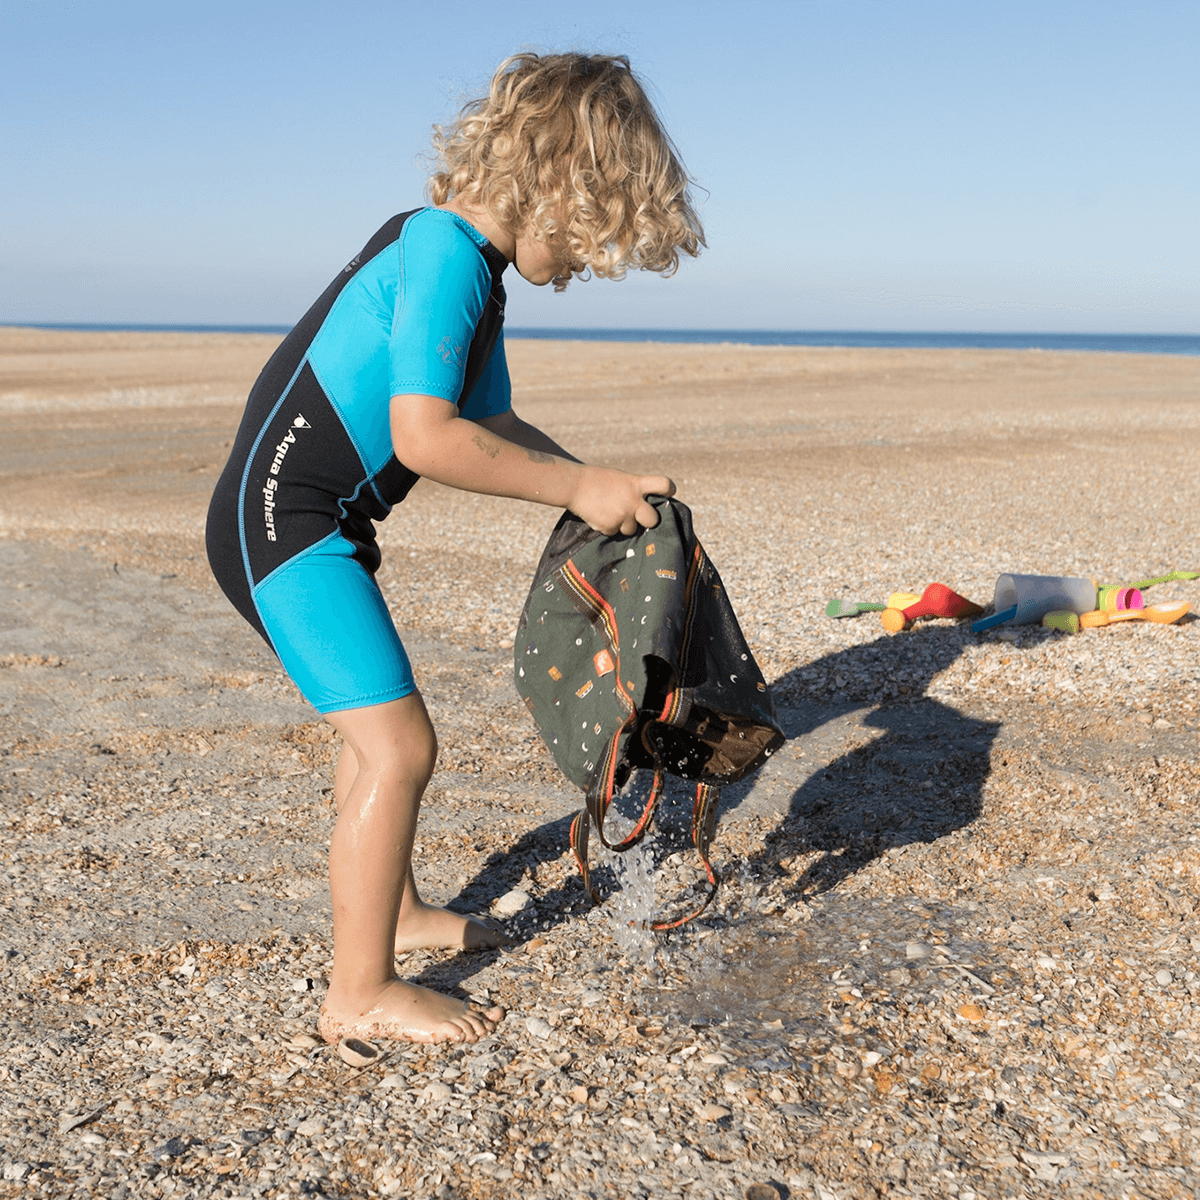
(398, 371)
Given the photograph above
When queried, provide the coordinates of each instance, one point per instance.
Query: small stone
(918, 950)
(971, 1012)
(1148, 1135)
(884, 1080)
(1164, 978)
(511, 903)
(592, 997)
(171, 1148)
(304, 1041)
(311, 1127)
(712, 1112)
(579, 1094)
(393, 1080)
(1162, 723)
(762, 1191)
(302, 985)
(91, 1138)
(1044, 962)
(356, 1052)
(156, 1081)
(16, 1170)
(537, 1027)
(715, 1058)
(438, 1092)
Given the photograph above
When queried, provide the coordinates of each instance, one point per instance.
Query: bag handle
(704, 819)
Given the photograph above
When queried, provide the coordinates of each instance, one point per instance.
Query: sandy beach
(956, 950)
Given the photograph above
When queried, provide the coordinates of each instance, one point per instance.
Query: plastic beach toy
(855, 608)
(1166, 613)
(1111, 597)
(936, 601)
(994, 619)
(851, 608)
(1115, 599)
(1064, 621)
(1170, 577)
(1033, 596)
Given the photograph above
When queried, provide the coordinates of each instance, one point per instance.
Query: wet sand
(978, 855)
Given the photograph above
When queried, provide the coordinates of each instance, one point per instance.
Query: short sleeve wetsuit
(290, 533)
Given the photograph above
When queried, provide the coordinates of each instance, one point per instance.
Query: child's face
(535, 261)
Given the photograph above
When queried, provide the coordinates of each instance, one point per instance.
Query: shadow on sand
(917, 775)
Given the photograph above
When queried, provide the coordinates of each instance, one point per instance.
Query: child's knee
(420, 755)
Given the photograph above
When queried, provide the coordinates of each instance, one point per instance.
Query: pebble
(356, 1052)
(438, 1092)
(311, 1127)
(915, 950)
(538, 1027)
(712, 1112)
(393, 1080)
(511, 903)
(1164, 977)
(762, 1191)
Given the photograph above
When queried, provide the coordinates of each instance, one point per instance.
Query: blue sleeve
(492, 395)
(444, 284)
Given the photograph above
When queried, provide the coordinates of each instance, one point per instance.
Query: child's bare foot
(424, 927)
(404, 1012)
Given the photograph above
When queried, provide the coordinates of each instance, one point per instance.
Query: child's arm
(512, 429)
(431, 439)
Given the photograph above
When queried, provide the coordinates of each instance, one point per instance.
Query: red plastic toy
(936, 601)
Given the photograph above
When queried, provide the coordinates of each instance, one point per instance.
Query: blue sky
(865, 165)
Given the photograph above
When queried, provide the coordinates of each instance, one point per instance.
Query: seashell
(511, 903)
(356, 1052)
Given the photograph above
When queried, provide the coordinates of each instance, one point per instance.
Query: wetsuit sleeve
(444, 284)
(492, 395)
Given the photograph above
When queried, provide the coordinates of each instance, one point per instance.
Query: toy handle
(995, 619)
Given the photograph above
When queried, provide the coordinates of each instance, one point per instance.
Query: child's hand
(612, 501)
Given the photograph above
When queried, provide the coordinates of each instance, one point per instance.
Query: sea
(1108, 343)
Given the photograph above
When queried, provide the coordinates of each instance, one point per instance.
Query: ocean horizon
(1109, 343)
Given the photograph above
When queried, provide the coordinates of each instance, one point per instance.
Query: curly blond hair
(570, 147)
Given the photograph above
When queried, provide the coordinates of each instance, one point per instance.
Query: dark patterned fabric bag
(629, 656)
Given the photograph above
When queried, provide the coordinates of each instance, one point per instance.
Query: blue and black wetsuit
(290, 535)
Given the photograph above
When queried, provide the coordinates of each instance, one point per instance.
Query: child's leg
(420, 926)
(394, 748)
